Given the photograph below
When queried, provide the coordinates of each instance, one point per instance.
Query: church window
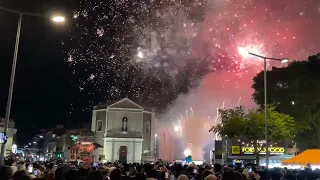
(147, 127)
(99, 125)
(124, 126)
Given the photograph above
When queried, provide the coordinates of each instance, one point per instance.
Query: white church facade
(125, 130)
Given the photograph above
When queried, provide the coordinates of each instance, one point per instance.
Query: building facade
(55, 143)
(11, 133)
(48, 142)
(238, 150)
(125, 130)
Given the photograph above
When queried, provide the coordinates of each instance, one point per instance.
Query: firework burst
(154, 51)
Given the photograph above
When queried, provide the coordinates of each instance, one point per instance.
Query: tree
(236, 124)
(295, 91)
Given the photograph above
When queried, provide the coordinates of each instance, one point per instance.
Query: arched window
(124, 126)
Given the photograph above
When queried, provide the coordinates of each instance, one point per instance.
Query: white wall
(99, 115)
(134, 149)
(115, 120)
(113, 124)
(107, 149)
(138, 151)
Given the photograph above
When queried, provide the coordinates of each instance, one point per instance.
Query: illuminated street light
(282, 60)
(58, 19)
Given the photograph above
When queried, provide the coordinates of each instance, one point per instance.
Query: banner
(271, 150)
(235, 150)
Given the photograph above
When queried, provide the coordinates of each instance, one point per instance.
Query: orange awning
(310, 156)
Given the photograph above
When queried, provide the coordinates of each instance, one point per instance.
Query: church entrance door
(123, 151)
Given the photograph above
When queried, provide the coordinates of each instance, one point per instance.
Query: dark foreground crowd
(157, 171)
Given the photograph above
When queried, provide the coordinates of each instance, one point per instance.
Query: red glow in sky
(281, 29)
(272, 28)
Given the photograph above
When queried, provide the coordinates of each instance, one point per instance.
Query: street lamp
(57, 19)
(282, 60)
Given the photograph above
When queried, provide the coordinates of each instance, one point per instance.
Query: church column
(112, 151)
(134, 151)
(93, 121)
(152, 131)
(106, 124)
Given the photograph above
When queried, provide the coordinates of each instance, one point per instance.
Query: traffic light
(59, 155)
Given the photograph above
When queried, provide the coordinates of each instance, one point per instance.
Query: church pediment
(126, 104)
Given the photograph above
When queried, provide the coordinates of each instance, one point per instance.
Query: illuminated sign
(235, 150)
(271, 150)
(72, 155)
(86, 143)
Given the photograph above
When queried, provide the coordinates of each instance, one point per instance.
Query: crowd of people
(153, 171)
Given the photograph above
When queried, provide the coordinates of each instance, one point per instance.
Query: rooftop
(125, 103)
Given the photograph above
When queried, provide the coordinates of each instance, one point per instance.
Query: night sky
(40, 98)
(171, 55)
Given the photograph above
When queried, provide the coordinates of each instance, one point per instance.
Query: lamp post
(282, 60)
(227, 153)
(57, 19)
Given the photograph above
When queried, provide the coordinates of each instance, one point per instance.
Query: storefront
(245, 154)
